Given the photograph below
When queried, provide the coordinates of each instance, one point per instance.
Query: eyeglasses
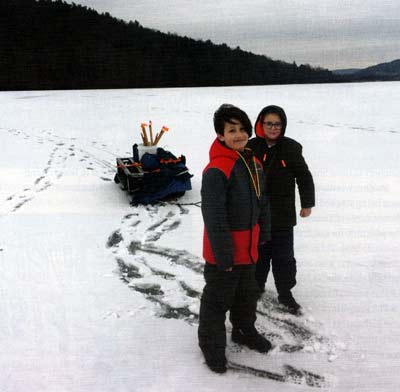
(270, 125)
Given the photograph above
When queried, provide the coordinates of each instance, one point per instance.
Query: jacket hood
(219, 150)
(270, 109)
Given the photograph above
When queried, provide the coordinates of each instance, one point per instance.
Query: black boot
(289, 303)
(252, 339)
(215, 360)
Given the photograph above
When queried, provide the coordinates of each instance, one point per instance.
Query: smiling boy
(235, 217)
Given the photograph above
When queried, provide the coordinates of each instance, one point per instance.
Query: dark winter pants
(278, 252)
(236, 291)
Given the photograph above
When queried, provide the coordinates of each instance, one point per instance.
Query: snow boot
(289, 303)
(252, 339)
(215, 360)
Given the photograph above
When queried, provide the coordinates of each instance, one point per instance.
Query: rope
(196, 204)
(256, 186)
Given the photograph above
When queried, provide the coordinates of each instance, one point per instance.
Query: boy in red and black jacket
(236, 220)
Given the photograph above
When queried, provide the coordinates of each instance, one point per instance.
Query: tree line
(56, 45)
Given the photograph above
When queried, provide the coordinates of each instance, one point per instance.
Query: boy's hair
(226, 113)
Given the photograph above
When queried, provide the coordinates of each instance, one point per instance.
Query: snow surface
(97, 295)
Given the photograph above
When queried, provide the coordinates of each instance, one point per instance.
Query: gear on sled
(153, 174)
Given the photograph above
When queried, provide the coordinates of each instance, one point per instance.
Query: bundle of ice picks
(150, 140)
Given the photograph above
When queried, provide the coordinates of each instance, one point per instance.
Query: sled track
(290, 375)
(156, 271)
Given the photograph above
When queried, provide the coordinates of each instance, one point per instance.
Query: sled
(153, 176)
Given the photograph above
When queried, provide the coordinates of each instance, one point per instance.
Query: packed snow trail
(171, 279)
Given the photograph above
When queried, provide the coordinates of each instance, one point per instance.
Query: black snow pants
(278, 252)
(236, 291)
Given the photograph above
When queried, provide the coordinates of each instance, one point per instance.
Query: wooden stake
(163, 130)
(151, 133)
(144, 135)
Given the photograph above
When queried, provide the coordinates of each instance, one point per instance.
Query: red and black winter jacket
(235, 219)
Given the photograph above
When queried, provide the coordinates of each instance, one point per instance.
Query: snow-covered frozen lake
(97, 295)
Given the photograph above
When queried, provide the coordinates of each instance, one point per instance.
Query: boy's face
(235, 136)
(272, 127)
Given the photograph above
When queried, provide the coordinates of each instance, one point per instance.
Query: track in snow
(172, 280)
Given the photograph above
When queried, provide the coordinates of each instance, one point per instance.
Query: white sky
(329, 33)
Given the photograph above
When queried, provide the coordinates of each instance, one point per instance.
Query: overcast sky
(329, 33)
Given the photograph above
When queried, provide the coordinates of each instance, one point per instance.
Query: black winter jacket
(284, 166)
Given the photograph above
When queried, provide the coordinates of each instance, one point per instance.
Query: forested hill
(48, 44)
(383, 71)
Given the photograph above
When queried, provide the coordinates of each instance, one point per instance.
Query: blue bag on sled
(153, 177)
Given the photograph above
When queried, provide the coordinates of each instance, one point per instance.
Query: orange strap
(170, 160)
(129, 165)
(138, 165)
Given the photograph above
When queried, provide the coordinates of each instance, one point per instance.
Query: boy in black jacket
(284, 166)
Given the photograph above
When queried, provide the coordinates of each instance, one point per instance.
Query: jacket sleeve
(213, 207)
(304, 180)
